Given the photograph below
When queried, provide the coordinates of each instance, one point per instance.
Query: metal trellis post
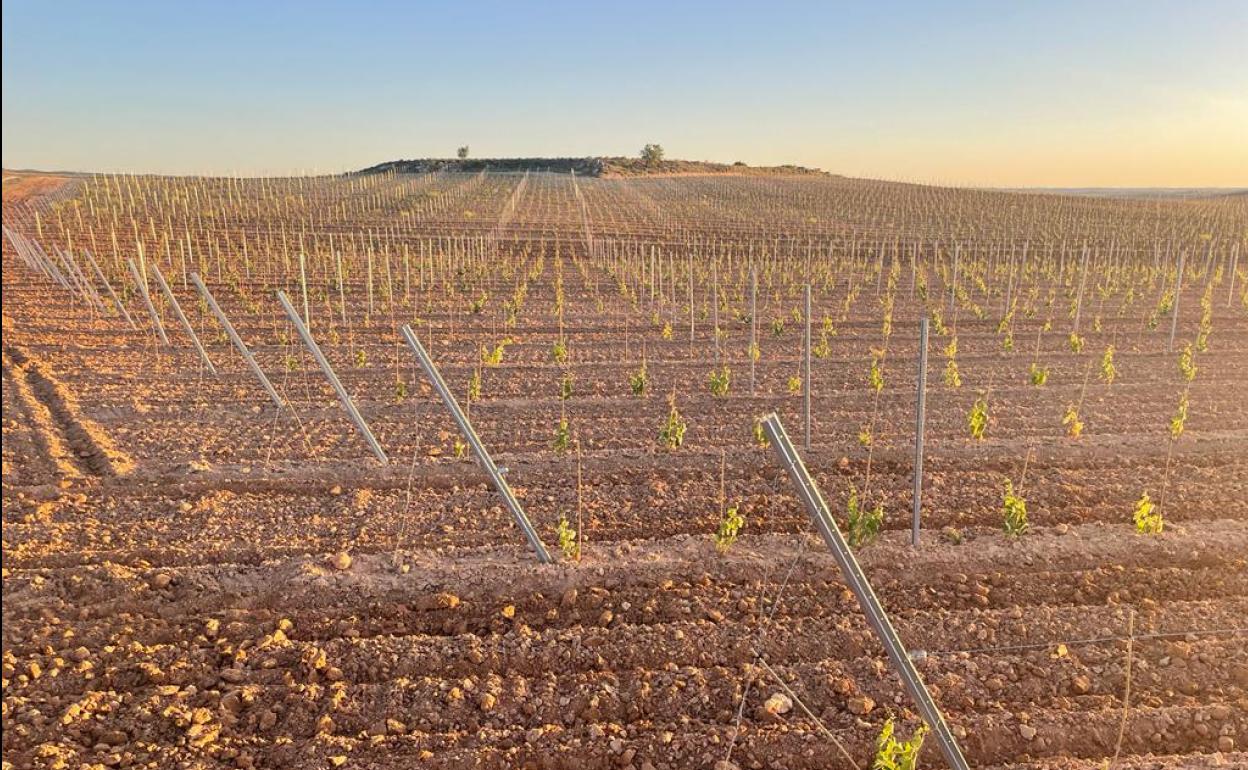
(920, 409)
(465, 427)
(858, 583)
(116, 300)
(1174, 306)
(343, 396)
(806, 373)
(753, 323)
(141, 281)
(186, 324)
(238, 342)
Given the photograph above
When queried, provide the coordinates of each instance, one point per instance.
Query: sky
(1057, 93)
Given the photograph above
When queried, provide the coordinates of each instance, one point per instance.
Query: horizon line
(314, 172)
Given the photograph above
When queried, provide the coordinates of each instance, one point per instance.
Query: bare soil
(195, 579)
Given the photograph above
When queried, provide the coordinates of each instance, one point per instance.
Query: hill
(590, 166)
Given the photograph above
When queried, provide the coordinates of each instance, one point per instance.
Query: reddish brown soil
(22, 185)
(170, 596)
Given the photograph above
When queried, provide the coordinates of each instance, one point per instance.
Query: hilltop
(589, 166)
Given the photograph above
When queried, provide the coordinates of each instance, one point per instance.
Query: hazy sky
(1045, 92)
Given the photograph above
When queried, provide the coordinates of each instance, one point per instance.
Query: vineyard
(220, 552)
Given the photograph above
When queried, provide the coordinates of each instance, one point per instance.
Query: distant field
(1138, 192)
(22, 185)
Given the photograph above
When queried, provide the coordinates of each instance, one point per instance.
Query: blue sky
(1038, 93)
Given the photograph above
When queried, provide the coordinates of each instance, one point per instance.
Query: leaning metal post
(51, 265)
(141, 281)
(95, 297)
(18, 246)
(859, 584)
(186, 324)
(343, 396)
(238, 342)
(26, 249)
(474, 441)
(116, 300)
(81, 285)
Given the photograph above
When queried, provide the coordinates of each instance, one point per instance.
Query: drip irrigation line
(303, 431)
(268, 456)
(818, 722)
(404, 526)
(762, 635)
(1095, 640)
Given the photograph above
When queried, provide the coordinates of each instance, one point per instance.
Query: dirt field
(194, 578)
(20, 186)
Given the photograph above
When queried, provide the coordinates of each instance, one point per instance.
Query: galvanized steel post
(238, 342)
(141, 281)
(343, 396)
(465, 427)
(806, 374)
(186, 325)
(920, 414)
(858, 583)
